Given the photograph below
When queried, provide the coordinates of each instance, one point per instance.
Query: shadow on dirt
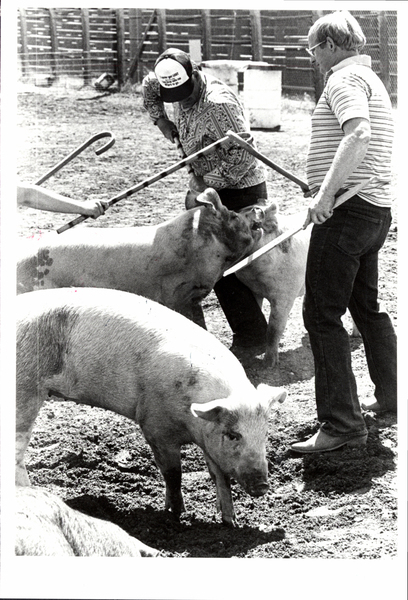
(190, 537)
(348, 469)
(295, 364)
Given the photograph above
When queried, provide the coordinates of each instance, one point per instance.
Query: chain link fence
(380, 29)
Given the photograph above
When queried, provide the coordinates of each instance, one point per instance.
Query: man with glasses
(311, 51)
(351, 141)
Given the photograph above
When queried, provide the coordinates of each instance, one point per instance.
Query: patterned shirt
(216, 111)
(353, 90)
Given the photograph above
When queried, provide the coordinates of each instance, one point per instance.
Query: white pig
(277, 275)
(46, 526)
(128, 354)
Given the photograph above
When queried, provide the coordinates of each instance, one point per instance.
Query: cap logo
(170, 73)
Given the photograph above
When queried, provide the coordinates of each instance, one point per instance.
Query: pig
(128, 354)
(46, 526)
(175, 263)
(279, 274)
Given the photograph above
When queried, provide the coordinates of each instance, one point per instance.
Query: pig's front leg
(169, 462)
(194, 312)
(223, 488)
(22, 441)
(280, 310)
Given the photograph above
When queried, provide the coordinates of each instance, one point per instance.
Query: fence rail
(86, 42)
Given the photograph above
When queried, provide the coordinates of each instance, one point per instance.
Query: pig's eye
(232, 435)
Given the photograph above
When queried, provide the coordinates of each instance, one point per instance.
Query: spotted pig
(127, 354)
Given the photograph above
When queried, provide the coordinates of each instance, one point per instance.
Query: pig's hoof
(229, 521)
(271, 361)
(147, 552)
(175, 514)
(247, 355)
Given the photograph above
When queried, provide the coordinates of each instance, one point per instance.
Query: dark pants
(341, 273)
(242, 311)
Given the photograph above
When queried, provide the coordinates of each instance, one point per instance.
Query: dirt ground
(341, 504)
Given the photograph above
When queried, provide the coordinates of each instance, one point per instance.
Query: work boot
(374, 406)
(322, 442)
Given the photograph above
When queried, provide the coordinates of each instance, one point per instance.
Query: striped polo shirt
(353, 90)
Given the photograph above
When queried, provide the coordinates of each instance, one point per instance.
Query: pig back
(124, 352)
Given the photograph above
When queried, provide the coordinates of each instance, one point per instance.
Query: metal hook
(80, 149)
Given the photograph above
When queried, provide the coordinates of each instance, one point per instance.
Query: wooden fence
(83, 43)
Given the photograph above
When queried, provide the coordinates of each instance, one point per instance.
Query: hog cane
(80, 149)
(150, 180)
(244, 144)
(284, 236)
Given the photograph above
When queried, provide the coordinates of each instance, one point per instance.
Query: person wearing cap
(205, 109)
(351, 142)
(34, 196)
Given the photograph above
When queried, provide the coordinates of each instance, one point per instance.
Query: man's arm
(36, 197)
(155, 107)
(350, 153)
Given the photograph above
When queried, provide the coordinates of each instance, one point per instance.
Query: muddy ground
(341, 504)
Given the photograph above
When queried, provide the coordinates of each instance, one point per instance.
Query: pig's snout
(259, 489)
(256, 485)
(259, 217)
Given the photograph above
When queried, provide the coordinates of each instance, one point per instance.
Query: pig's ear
(270, 220)
(271, 209)
(210, 411)
(209, 197)
(269, 395)
(191, 200)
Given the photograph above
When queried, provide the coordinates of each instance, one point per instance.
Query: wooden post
(256, 34)
(86, 47)
(25, 63)
(54, 42)
(135, 35)
(237, 35)
(206, 28)
(120, 41)
(139, 33)
(133, 39)
(161, 26)
(384, 52)
(136, 62)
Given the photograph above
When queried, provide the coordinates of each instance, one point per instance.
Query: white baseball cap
(173, 70)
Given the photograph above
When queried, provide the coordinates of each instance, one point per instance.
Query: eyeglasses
(311, 51)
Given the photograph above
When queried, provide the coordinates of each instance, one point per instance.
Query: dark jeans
(341, 273)
(240, 307)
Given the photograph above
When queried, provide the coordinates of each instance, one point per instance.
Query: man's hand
(95, 208)
(320, 209)
(167, 127)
